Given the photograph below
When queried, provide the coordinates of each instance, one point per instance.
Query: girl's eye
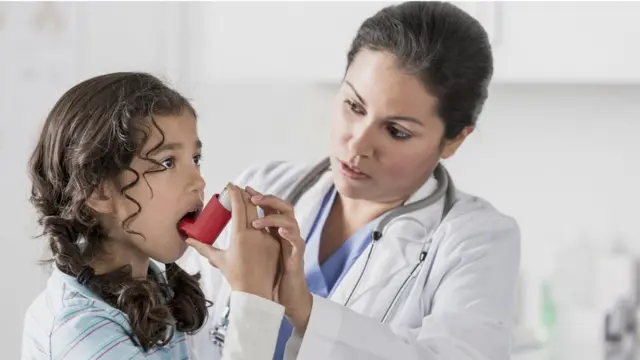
(197, 159)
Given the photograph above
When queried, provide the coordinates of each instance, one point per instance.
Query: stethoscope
(445, 189)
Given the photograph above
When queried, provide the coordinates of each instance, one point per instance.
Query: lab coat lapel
(393, 257)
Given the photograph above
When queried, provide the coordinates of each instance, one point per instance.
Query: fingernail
(257, 197)
(284, 231)
(257, 222)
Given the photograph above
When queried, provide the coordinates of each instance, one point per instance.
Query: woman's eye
(354, 107)
(168, 163)
(398, 134)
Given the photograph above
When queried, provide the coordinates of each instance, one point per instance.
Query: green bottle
(548, 312)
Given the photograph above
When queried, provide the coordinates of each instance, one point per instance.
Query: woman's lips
(351, 172)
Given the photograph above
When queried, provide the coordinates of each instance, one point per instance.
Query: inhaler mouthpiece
(209, 224)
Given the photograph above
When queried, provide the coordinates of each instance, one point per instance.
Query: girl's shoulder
(86, 331)
(68, 321)
(65, 315)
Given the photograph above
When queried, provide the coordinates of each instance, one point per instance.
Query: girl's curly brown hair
(91, 135)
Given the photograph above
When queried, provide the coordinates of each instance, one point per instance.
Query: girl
(116, 168)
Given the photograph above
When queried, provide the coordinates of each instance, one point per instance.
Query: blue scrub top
(323, 278)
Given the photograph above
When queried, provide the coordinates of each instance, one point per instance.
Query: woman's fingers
(266, 210)
(279, 215)
(276, 221)
(271, 201)
(292, 238)
(252, 191)
(215, 256)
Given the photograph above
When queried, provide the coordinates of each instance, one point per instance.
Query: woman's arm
(253, 327)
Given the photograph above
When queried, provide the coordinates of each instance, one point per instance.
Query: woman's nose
(361, 141)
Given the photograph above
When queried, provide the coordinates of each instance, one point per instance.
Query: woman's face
(386, 136)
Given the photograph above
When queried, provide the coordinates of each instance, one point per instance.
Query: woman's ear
(451, 146)
(101, 200)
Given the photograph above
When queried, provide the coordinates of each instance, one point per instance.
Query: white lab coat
(459, 306)
(253, 328)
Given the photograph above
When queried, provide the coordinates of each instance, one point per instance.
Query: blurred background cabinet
(534, 42)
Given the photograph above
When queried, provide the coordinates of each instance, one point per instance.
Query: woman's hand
(293, 292)
(251, 260)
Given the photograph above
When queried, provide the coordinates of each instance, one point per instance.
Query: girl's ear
(101, 200)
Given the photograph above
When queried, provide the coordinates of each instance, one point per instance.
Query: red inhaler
(211, 221)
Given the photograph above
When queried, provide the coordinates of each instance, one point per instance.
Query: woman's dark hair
(446, 48)
(91, 135)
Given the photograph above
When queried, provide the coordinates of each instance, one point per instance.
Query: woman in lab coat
(384, 258)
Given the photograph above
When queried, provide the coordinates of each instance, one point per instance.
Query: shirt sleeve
(253, 327)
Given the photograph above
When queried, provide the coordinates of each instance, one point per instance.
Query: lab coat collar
(428, 188)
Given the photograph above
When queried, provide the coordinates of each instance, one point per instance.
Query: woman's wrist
(261, 291)
(300, 315)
